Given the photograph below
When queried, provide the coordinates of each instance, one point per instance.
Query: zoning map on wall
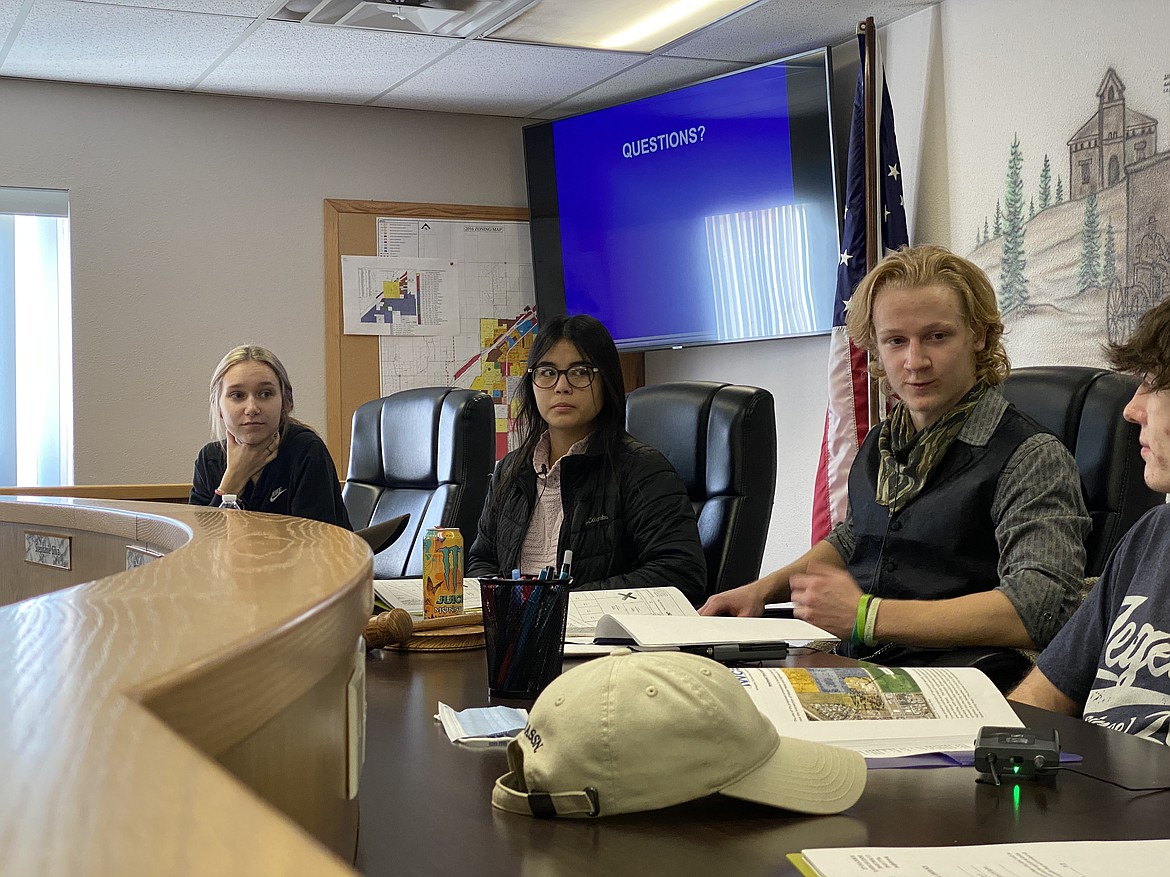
(496, 311)
(399, 296)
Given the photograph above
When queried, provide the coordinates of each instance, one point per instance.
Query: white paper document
(587, 607)
(663, 631)
(881, 712)
(408, 594)
(482, 726)
(576, 648)
(1133, 858)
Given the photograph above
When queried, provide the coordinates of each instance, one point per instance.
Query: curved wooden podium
(200, 714)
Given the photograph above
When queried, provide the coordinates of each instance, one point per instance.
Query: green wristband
(862, 611)
(869, 629)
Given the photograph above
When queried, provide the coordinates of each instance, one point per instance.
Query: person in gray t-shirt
(1111, 662)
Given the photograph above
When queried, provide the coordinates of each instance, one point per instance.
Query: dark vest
(942, 544)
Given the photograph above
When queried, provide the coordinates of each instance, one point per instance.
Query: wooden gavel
(394, 627)
(388, 628)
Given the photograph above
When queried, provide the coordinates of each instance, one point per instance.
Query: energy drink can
(442, 565)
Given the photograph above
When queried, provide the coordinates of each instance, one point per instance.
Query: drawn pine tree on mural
(1090, 272)
(1109, 258)
(1046, 184)
(1013, 285)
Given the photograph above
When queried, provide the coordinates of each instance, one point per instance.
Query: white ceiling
(234, 47)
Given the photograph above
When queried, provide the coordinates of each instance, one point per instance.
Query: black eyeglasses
(580, 376)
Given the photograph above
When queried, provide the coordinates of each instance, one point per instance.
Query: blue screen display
(689, 218)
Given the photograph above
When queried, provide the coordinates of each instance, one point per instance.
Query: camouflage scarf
(897, 482)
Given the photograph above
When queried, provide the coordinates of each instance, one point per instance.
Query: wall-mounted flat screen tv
(703, 215)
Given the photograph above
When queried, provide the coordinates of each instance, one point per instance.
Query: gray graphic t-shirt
(1114, 654)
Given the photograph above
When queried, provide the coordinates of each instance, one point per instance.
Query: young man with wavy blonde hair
(966, 519)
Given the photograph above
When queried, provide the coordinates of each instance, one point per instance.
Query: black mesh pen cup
(524, 632)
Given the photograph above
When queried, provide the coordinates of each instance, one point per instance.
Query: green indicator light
(1015, 768)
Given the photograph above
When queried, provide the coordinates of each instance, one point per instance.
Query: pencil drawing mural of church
(1078, 260)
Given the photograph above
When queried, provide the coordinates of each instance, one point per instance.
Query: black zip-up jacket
(630, 528)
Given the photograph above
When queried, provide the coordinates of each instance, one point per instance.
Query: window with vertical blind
(36, 339)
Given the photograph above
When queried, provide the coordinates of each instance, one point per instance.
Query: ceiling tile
(227, 46)
(307, 62)
(653, 76)
(782, 27)
(118, 45)
(242, 8)
(8, 12)
(504, 79)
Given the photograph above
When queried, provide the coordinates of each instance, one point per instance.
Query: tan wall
(197, 224)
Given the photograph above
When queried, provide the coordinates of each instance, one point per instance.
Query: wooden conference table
(426, 804)
(191, 715)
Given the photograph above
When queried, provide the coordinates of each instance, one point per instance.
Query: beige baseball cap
(643, 730)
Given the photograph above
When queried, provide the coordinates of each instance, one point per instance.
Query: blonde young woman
(270, 461)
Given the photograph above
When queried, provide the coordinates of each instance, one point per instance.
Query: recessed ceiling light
(620, 25)
(665, 19)
(614, 24)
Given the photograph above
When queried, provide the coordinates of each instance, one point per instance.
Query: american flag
(847, 419)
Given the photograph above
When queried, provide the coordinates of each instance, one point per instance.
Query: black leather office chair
(1082, 407)
(721, 438)
(427, 452)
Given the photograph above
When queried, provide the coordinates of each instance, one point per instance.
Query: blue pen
(543, 574)
(516, 573)
(566, 563)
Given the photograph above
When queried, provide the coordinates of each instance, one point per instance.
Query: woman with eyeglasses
(578, 481)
